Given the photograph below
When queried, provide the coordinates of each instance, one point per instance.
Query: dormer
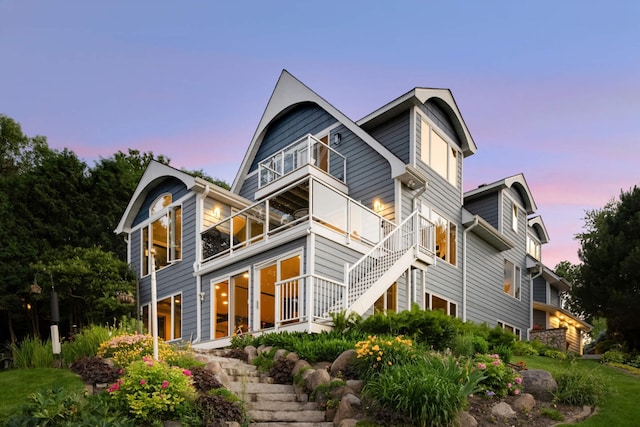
(536, 237)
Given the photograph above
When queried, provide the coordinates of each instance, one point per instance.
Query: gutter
(199, 292)
(464, 268)
(531, 279)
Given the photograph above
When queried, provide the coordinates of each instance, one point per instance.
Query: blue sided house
(329, 214)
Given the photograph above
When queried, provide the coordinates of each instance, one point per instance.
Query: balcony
(306, 201)
(307, 151)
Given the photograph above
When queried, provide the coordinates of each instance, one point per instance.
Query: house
(327, 214)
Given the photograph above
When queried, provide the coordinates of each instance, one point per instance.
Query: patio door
(230, 310)
(290, 292)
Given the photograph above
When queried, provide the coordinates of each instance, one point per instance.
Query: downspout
(196, 267)
(464, 268)
(414, 203)
(531, 279)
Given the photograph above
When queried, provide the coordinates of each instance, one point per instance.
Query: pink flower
(186, 372)
(114, 387)
(142, 382)
(496, 362)
(508, 385)
(516, 391)
(165, 384)
(120, 371)
(119, 381)
(495, 356)
(518, 380)
(482, 365)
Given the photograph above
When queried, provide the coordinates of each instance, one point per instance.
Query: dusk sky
(550, 89)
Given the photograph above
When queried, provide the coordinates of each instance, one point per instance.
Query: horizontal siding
(301, 120)
(437, 115)
(486, 207)
(249, 187)
(330, 258)
(540, 290)
(171, 185)
(554, 297)
(394, 135)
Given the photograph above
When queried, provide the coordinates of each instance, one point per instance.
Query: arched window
(163, 235)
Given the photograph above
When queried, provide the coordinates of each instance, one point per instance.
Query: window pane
(159, 237)
(160, 203)
(452, 244)
(221, 309)
(240, 302)
(441, 236)
(177, 317)
(517, 282)
(145, 319)
(164, 319)
(329, 207)
(439, 304)
(508, 278)
(424, 142)
(176, 241)
(439, 154)
(268, 278)
(453, 310)
(145, 251)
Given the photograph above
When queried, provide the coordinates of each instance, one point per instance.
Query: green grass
(619, 409)
(17, 384)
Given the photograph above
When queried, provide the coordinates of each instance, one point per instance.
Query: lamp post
(154, 307)
(55, 319)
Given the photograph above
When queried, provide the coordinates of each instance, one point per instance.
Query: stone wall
(555, 338)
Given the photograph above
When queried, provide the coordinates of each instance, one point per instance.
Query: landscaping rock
(251, 353)
(318, 377)
(349, 422)
(340, 392)
(467, 420)
(356, 385)
(280, 354)
(352, 399)
(524, 403)
(345, 411)
(299, 365)
(214, 367)
(343, 362)
(539, 383)
(292, 356)
(503, 410)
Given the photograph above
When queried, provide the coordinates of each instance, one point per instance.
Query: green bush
(154, 390)
(463, 345)
(127, 348)
(614, 356)
(32, 353)
(85, 343)
(480, 345)
(555, 354)
(430, 392)
(498, 378)
(504, 351)
(579, 386)
(524, 348)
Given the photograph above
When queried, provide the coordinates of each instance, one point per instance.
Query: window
(387, 301)
(280, 278)
(512, 279)
(533, 247)
(230, 310)
(445, 238)
(438, 154)
(436, 303)
(169, 317)
(163, 236)
(514, 217)
(515, 331)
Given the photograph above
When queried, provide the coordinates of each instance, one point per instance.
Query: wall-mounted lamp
(378, 206)
(216, 213)
(411, 183)
(337, 138)
(202, 295)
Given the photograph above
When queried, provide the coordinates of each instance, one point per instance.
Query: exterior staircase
(413, 240)
(268, 404)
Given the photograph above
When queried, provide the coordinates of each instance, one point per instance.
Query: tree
(609, 278)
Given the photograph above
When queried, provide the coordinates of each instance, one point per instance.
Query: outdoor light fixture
(216, 213)
(337, 138)
(378, 206)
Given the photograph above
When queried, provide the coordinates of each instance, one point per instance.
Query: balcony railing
(302, 202)
(299, 296)
(306, 151)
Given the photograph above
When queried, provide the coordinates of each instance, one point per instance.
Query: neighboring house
(327, 214)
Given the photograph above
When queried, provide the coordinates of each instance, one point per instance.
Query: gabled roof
(552, 278)
(486, 231)
(538, 225)
(516, 181)
(157, 172)
(289, 92)
(418, 96)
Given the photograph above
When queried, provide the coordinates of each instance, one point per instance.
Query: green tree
(608, 285)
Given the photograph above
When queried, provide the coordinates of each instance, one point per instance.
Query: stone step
(283, 424)
(256, 388)
(279, 406)
(311, 416)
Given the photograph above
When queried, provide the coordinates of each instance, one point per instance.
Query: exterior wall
(170, 185)
(540, 290)
(556, 338)
(394, 135)
(486, 207)
(330, 258)
(440, 118)
(554, 297)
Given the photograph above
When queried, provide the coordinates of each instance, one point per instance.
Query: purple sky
(550, 89)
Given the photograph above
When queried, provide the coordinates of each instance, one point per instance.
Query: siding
(554, 297)
(249, 187)
(177, 277)
(486, 207)
(394, 135)
(301, 120)
(437, 115)
(169, 185)
(330, 258)
(540, 290)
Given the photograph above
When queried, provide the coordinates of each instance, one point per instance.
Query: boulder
(280, 354)
(524, 403)
(467, 420)
(345, 411)
(342, 363)
(349, 422)
(318, 377)
(292, 356)
(503, 410)
(299, 365)
(539, 383)
(341, 391)
(355, 385)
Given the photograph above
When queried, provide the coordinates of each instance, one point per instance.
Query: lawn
(619, 409)
(17, 384)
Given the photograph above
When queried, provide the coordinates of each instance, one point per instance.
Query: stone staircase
(268, 404)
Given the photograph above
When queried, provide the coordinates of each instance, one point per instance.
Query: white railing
(415, 233)
(299, 296)
(306, 151)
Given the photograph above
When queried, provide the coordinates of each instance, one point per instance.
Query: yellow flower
(389, 362)
(375, 347)
(379, 358)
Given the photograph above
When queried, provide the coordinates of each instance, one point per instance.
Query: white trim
(515, 328)
(449, 301)
(172, 313)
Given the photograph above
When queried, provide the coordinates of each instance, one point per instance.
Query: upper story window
(445, 238)
(512, 279)
(533, 247)
(514, 217)
(436, 152)
(163, 235)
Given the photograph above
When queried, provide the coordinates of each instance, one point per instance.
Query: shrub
(32, 353)
(480, 345)
(49, 407)
(524, 348)
(94, 370)
(154, 390)
(634, 361)
(220, 405)
(614, 356)
(555, 354)
(430, 392)
(579, 386)
(204, 380)
(376, 354)
(499, 337)
(499, 379)
(124, 349)
(282, 371)
(504, 351)
(463, 345)
(264, 361)
(243, 340)
(85, 343)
